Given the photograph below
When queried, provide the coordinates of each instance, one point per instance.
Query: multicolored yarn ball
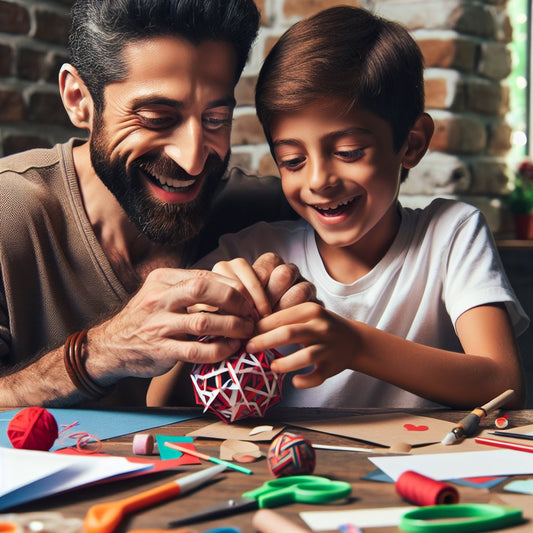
(33, 428)
(291, 455)
(239, 387)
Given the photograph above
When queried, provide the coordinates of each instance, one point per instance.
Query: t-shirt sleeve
(475, 274)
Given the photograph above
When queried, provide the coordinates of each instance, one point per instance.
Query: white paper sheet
(458, 465)
(27, 475)
(328, 520)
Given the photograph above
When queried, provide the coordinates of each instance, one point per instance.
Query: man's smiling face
(162, 142)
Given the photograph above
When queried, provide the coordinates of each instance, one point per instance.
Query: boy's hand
(329, 341)
(271, 283)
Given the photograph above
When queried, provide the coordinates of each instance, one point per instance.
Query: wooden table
(347, 466)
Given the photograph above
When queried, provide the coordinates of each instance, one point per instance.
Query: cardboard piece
(235, 450)
(237, 431)
(385, 429)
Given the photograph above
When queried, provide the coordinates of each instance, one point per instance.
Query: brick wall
(465, 45)
(32, 49)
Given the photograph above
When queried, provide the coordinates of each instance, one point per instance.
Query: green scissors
(303, 489)
(470, 517)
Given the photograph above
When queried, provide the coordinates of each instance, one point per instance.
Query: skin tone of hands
(331, 344)
(156, 324)
(158, 328)
(270, 287)
(267, 284)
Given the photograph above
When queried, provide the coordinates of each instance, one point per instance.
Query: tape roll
(501, 422)
(143, 444)
(422, 490)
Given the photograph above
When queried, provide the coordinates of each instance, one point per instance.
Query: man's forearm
(43, 382)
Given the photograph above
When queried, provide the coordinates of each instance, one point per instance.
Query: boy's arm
(490, 364)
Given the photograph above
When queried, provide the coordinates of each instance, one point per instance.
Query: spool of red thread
(32, 428)
(422, 490)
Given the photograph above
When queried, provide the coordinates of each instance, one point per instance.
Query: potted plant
(521, 200)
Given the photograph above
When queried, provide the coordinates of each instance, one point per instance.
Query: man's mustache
(165, 166)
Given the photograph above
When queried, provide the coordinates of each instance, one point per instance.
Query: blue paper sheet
(101, 424)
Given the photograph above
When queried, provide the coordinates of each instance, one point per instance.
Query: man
(92, 232)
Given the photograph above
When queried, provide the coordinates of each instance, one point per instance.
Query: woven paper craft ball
(239, 387)
(291, 455)
(32, 428)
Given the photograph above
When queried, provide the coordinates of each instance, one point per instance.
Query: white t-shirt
(442, 262)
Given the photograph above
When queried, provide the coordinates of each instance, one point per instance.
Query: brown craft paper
(234, 449)
(383, 429)
(237, 431)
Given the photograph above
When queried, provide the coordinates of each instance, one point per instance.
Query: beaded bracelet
(75, 367)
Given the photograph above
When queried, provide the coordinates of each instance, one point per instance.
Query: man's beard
(159, 221)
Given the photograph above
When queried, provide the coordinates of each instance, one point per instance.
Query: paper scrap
(331, 520)
(239, 431)
(237, 449)
(384, 429)
(260, 429)
(523, 486)
(447, 466)
(168, 453)
(28, 475)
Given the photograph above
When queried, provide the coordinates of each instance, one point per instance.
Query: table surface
(346, 466)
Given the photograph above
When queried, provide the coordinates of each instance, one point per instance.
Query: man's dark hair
(102, 28)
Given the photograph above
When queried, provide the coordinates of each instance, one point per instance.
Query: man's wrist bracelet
(75, 367)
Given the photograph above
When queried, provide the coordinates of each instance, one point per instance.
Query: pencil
(206, 457)
(470, 422)
(504, 444)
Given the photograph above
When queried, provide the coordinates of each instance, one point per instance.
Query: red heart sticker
(412, 427)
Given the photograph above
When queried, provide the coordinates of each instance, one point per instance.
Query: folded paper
(239, 387)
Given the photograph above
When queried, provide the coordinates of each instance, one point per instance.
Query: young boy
(417, 309)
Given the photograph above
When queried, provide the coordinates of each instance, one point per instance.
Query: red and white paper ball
(239, 387)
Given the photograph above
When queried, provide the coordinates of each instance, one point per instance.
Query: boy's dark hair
(101, 29)
(348, 53)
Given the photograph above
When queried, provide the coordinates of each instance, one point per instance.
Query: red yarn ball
(32, 428)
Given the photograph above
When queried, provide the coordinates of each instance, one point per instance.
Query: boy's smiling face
(340, 173)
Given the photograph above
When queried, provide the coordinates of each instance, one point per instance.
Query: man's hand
(156, 329)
